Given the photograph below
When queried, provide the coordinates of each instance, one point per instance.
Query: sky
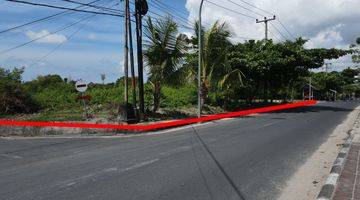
(94, 45)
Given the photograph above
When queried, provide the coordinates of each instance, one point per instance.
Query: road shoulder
(309, 178)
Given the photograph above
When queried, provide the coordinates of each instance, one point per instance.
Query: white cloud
(92, 36)
(327, 38)
(46, 37)
(311, 19)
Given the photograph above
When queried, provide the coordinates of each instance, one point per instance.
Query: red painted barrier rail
(158, 125)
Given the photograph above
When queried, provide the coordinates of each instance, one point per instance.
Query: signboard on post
(81, 86)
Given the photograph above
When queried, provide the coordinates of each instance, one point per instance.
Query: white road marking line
(74, 181)
(11, 156)
(140, 165)
(175, 150)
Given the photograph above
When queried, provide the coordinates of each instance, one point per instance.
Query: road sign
(81, 86)
(85, 97)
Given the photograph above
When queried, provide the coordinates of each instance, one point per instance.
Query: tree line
(233, 73)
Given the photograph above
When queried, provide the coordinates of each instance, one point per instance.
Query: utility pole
(126, 57)
(327, 66)
(141, 9)
(265, 21)
(133, 81)
(310, 89)
(200, 60)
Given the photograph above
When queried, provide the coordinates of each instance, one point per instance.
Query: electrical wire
(97, 7)
(243, 7)
(64, 8)
(41, 19)
(265, 11)
(287, 30)
(44, 36)
(69, 37)
(282, 35)
(234, 11)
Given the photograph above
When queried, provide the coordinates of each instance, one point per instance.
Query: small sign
(85, 97)
(81, 86)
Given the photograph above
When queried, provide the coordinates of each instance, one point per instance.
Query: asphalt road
(249, 158)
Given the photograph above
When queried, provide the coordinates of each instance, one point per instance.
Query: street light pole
(200, 60)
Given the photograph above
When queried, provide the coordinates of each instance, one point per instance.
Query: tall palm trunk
(157, 96)
(204, 93)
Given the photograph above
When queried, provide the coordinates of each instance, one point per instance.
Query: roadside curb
(329, 187)
(35, 127)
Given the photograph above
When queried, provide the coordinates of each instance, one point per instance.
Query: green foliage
(52, 92)
(13, 97)
(232, 73)
(163, 55)
(178, 97)
(356, 51)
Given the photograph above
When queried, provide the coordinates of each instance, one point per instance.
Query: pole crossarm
(265, 21)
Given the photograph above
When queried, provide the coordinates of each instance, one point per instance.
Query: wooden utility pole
(141, 9)
(265, 21)
(133, 80)
(126, 55)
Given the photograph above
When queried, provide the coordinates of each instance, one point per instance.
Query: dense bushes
(13, 97)
(178, 97)
(52, 93)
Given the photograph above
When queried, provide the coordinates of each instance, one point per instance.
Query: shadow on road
(316, 108)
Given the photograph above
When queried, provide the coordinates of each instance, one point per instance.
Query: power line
(44, 36)
(64, 8)
(42, 19)
(265, 11)
(286, 29)
(182, 22)
(161, 6)
(243, 7)
(257, 7)
(234, 11)
(273, 25)
(171, 7)
(276, 37)
(69, 37)
(97, 7)
(181, 13)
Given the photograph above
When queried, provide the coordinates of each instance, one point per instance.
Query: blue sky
(97, 46)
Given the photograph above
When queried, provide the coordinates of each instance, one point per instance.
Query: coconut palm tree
(165, 49)
(215, 71)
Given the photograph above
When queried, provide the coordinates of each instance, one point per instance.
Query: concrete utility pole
(266, 24)
(133, 81)
(310, 89)
(327, 66)
(126, 55)
(200, 60)
(103, 76)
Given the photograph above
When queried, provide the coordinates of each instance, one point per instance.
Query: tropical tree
(13, 97)
(356, 53)
(216, 74)
(165, 49)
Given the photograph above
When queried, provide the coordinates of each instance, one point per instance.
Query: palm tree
(215, 71)
(165, 49)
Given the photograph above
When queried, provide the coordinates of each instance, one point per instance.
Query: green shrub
(13, 97)
(178, 97)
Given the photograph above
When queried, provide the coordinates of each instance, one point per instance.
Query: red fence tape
(158, 125)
